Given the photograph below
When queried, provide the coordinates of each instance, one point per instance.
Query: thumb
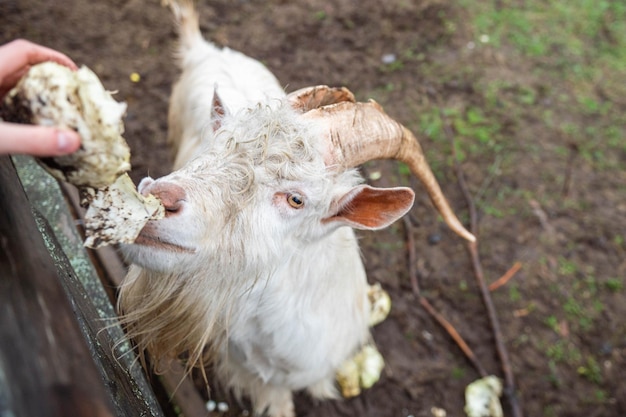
(37, 140)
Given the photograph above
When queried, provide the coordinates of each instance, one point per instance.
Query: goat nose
(171, 195)
(144, 183)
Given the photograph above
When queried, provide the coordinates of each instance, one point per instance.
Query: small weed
(586, 287)
(493, 211)
(601, 396)
(598, 306)
(514, 293)
(522, 339)
(404, 170)
(395, 65)
(553, 323)
(567, 267)
(593, 107)
(585, 323)
(591, 371)
(389, 87)
(564, 351)
(431, 125)
(458, 372)
(477, 127)
(476, 133)
(582, 309)
(556, 352)
(573, 308)
(614, 284)
(553, 376)
(320, 15)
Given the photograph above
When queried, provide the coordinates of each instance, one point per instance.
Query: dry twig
(506, 277)
(449, 328)
(509, 381)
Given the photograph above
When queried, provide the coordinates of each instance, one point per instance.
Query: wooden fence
(62, 353)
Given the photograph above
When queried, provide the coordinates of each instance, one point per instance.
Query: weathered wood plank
(109, 266)
(45, 366)
(56, 358)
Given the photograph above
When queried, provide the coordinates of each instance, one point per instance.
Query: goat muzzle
(171, 195)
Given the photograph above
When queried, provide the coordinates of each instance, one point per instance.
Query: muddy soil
(355, 43)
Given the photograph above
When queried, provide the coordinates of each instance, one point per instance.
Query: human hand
(16, 58)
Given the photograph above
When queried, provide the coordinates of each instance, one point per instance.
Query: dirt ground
(562, 315)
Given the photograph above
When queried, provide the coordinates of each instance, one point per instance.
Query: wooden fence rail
(59, 350)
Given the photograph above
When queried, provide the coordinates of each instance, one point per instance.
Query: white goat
(255, 266)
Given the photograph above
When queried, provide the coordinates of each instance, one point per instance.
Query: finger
(37, 140)
(40, 54)
(20, 53)
(10, 80)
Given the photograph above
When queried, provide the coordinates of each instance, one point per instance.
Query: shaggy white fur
(253, 267)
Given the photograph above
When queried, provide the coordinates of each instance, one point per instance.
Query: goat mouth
(157, 242)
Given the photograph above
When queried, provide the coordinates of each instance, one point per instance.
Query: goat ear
(370, 208)
(218, 111)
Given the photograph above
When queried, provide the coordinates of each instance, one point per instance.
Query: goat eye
(295, 200)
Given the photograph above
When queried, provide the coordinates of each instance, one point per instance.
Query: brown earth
(556, 212)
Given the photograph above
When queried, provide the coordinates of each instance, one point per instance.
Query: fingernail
(64, 142)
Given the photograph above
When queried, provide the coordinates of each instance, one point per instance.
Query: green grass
(579, 303)
(614, 284)
(475, 130)
(580, 296)
(545, 83)
(539, 28)
(579, 48)
(459, 372)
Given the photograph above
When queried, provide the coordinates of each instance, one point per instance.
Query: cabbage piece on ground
(482, 398)
(380, 303)
(53, 95)
(360, 371)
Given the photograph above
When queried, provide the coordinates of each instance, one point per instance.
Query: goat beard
(169, 316)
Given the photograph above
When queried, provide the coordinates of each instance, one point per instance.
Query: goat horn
(310, 98)
(360, 132)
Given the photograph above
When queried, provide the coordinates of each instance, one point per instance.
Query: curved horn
(360, 132)
(310, 98)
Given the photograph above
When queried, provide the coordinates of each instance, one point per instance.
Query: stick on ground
(506, 277)
(454, 334)
(509, 381)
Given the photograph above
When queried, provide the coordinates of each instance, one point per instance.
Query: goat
(255, 267)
